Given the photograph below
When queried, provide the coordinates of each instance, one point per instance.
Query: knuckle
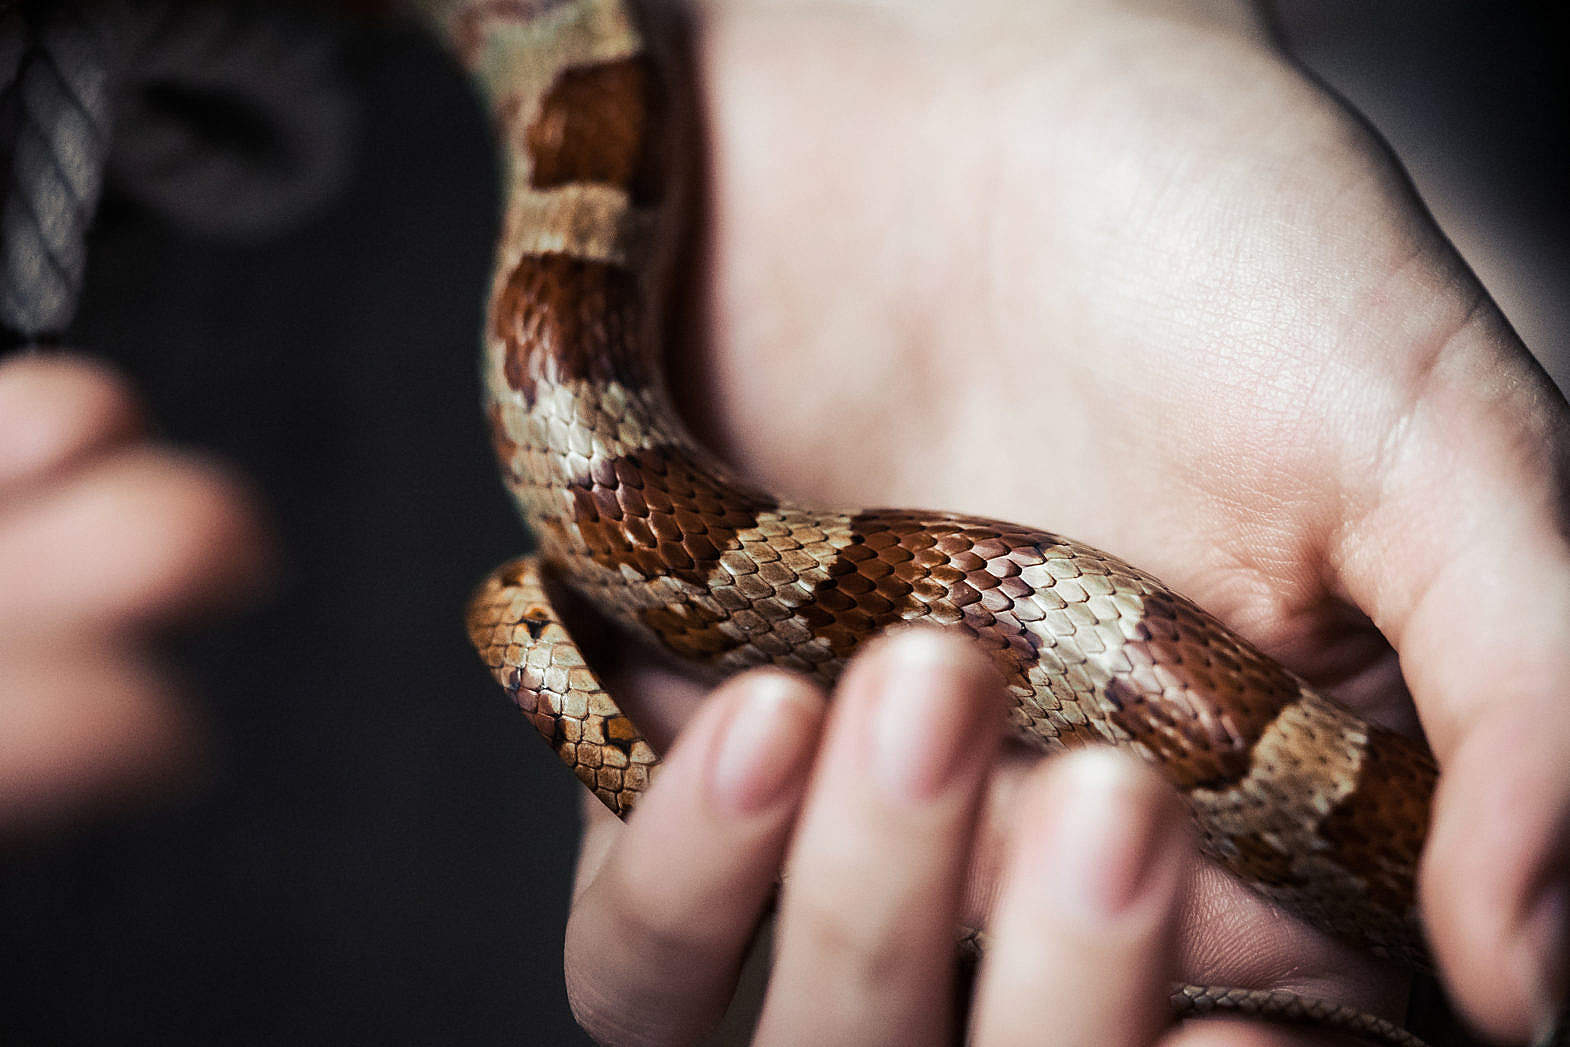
(597, 1016)
(659, 922)
(610, 1015)
(587, 1004)
(867, 946)
(638, 971)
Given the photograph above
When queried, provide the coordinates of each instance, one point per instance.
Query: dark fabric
(383, 850)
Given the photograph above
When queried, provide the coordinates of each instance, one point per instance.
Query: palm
(1173, 315)
(1184, 313)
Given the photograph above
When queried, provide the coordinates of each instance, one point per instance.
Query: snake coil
(1319, 811)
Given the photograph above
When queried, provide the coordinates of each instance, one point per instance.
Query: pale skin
(107, 539)
(1123, 273)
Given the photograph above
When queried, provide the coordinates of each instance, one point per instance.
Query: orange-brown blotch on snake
(1316, 809)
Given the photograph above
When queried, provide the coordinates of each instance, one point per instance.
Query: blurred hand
(1123, 272)
(105, 537)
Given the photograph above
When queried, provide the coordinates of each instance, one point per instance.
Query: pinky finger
(1086, 936)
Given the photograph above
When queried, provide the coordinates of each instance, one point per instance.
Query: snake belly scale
(1317, 810)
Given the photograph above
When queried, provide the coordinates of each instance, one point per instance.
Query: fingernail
(1109, 839)
(1545, 933)
(767, 744)
(926, 722)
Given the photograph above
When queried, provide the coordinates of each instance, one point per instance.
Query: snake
(1318, 811)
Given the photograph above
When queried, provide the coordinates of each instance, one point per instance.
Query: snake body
(1319, 811)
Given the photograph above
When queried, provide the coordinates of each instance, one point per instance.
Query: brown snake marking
(1317, 810)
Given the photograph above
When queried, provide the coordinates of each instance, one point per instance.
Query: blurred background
(382, 850)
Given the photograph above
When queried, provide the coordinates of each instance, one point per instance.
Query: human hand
(1121, 271)
(105, 537)
(879, 811)
(1124, 273)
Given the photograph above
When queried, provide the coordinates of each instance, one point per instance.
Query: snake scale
(1319, 811)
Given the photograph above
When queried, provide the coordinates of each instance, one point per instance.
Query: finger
(601, 829)
(869, 911)
(1085, 934)
(84, 725)
(1462, 561)
(656, 939)
(56, 411)
(141, 534)
(1244, 1032)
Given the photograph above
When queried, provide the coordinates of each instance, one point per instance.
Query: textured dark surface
(63, 74)
(382, 852)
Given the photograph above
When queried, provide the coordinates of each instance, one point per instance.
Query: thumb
(1460, 556)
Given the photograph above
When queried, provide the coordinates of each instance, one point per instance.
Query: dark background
(381, 851)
